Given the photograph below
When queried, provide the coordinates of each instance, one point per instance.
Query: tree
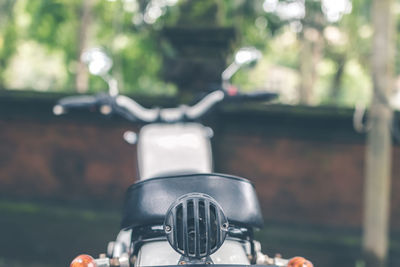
(378, 157)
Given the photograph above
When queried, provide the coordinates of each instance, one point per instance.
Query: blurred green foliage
(8, 35)
(129, 31)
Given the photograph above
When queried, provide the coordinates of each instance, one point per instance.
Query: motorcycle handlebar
(132, 110)
(137, 110)
(170, 114)
(201, 107)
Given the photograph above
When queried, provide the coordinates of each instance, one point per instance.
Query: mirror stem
(112, 84)
(228, 73)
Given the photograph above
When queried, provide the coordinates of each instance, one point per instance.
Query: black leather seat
(147, 201)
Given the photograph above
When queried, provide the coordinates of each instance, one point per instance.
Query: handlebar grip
(253, 96)
(83, 101)
(78, 101)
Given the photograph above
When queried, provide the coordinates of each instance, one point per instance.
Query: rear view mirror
(98, 62)
(247, 56)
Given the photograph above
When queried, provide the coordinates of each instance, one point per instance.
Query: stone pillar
(196, 57)
(196, 48)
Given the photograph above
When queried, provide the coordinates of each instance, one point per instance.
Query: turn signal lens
(83, 261)
(299, 262)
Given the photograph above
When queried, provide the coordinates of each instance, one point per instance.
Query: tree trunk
(337, 79)
(81, 79)
(378, 157)
(310, 54)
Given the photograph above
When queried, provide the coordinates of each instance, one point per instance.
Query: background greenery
(312, 55)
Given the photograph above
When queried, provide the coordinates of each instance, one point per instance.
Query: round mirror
(247, 55)
(98, 62)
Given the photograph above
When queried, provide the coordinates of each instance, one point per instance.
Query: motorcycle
(180, 212)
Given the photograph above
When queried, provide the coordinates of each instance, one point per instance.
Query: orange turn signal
(83, 261)
(299, 262)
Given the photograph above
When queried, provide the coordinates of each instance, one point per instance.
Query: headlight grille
(195, 225)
